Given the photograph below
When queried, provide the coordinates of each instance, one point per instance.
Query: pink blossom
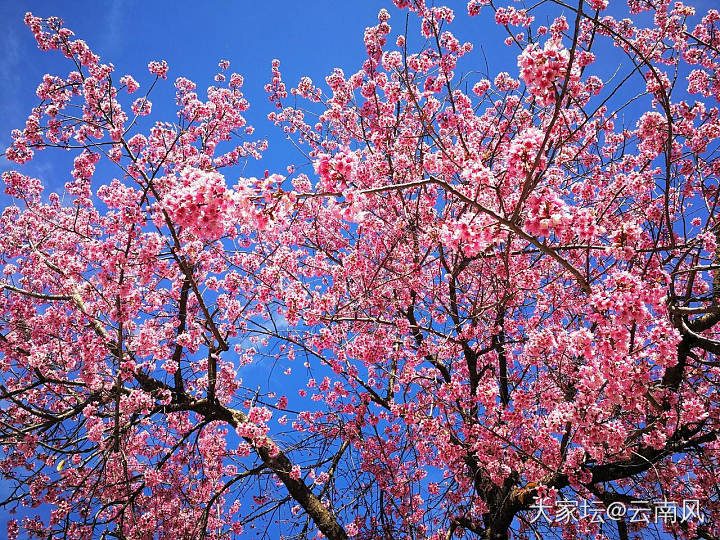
(158, 68)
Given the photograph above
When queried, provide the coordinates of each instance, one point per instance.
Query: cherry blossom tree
(483, 297)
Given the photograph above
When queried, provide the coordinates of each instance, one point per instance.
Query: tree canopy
(484, 297)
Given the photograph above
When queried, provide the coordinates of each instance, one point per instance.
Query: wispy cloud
(115, 16)
(10, 99)
(9, 60)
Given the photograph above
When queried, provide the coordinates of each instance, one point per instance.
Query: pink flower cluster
(336, 171)
(546, 213)
(505, 83)
(540, 68)
(199, 202)
(141, 107)
(480, 87)
(652, 132)
(130, 83)
(472, 233)
(21, 186)
(159, 68)
(474, 6)
(513, 16)
(276, 89)
(523, 153)
(376, 37)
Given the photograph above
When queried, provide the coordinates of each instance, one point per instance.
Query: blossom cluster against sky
(310, 38)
